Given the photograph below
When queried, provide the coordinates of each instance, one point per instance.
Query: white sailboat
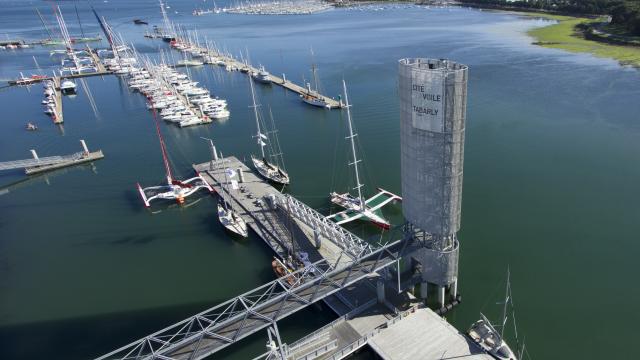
(268, 170)
(228, 217)
(488, 338)
(357, 207)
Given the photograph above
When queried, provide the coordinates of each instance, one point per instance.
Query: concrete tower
(433, 104)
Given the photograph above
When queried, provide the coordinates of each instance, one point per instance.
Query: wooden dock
(195, 108)
(288, 85)
(281, 233)
(96, 60)
(38, 164)
(73, 160)
(102, 70)
(58, 117)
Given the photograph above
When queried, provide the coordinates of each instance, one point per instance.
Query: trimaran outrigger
(359, 207)
(175, 189)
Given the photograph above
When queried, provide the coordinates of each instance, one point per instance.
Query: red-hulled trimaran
(176, 190)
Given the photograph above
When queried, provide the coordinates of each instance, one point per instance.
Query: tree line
(625, 13)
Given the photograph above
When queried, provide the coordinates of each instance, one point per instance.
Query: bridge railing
(348, 242)
(50, 160)
(304, 287)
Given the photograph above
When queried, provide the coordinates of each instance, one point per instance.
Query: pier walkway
(38, 164)
(283, 228)
(58, 117)
(340, 266)
(301, 90)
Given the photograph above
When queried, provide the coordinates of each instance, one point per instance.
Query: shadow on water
(38, 178)
(89, 337)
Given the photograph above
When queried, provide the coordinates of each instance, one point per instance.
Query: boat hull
(314, 101)
(232, 223)
(270, 171)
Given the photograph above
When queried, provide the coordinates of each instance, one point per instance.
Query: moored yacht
(268, 170)
(262, 76)
(67, 86)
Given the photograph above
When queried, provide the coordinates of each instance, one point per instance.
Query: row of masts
(65, 37)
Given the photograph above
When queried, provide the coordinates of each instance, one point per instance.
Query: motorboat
(262, 76)
(67, 86)
(219, 113)
(193, 120)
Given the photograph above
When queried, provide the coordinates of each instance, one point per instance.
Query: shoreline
(572, 33)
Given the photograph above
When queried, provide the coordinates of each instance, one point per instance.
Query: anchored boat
(488, 338)
(228, 217)
(313, 97)
(68, 87)
(267, 169)
(174, 189)
(262, 76)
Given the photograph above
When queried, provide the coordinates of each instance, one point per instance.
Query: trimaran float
(357, 207)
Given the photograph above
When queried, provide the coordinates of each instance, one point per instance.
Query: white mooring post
(35, 154)
(284, 78)
(454, 289)
(84, 147)
(441, 295)
(240, 175)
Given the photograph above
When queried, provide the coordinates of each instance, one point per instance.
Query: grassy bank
(564, 35)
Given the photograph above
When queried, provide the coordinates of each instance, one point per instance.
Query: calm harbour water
(550, 187)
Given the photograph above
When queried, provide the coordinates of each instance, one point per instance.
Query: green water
(550, 183)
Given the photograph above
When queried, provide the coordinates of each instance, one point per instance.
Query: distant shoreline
(574, 32)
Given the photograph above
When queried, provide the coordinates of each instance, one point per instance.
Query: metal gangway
(43, 161)
(347, 241)
(222, 325)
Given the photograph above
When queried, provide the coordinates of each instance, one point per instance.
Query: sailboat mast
(79, 22)
(255, 112)
(506, 302)
(44, 24)
(314, 72)
(353, 146)
(224, 201)
(315, 78)
(163, 148)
